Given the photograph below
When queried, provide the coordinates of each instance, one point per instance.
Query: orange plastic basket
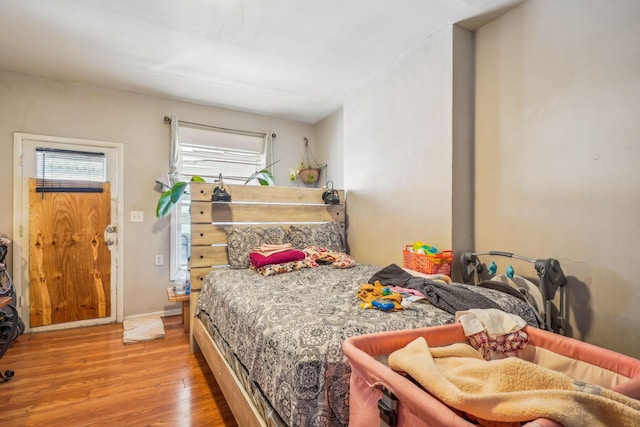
(439, 263)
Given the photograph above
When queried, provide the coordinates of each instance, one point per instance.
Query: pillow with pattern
(242, 240)
(327, 235)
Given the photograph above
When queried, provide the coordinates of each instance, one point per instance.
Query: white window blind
(209, 152)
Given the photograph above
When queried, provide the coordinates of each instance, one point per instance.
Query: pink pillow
(258, 260)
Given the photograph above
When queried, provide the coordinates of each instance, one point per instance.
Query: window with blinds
(69, 171)
(208, 152)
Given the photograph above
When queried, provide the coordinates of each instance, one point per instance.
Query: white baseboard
(163, 313)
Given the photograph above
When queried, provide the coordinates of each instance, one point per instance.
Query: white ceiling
(293, 59)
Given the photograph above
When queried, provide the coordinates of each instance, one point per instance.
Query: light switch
(137, 216)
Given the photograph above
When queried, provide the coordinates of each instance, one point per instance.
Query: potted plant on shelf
(169, 198)
(308, 172)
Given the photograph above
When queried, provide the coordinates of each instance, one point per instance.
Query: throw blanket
(319, 255)
(450, 298)
(259, 260)
(511, 389)
(267, 249)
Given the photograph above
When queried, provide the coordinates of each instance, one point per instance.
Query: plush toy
(369, 293)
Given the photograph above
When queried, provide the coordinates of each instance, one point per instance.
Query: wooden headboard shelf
(250, 205)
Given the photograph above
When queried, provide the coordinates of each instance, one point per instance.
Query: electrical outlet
(159, 260)
(137, 216)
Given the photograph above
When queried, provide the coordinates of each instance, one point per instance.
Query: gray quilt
(287, 330)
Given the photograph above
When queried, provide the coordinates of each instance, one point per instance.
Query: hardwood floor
(87, 376)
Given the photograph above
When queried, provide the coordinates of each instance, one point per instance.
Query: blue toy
(382, 304)
(493, 267)
(510, 272)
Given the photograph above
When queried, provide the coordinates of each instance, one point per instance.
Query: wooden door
(69, 260)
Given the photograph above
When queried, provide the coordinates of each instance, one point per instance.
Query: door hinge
(21, 230)
(20, 301)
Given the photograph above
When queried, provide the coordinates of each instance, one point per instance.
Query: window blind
(60, 170)
(208, 152)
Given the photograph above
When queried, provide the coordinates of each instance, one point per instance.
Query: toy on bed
(551, 279)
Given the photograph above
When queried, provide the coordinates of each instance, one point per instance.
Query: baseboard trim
(163, 313)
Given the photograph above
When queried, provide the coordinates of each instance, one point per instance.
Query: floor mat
(142, 329)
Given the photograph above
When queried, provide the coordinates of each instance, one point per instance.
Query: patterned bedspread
(287, 331)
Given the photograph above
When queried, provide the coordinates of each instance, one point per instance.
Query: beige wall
(330, 147)
(41, 106)
(557, 153)
(398, 154)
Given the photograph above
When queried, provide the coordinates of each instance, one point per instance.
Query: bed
(274, 342)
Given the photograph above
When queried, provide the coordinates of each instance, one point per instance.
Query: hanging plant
(308, 172)
(308, 175)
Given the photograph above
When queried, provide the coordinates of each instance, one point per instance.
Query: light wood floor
(87, 376)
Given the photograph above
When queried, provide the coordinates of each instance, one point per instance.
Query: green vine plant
(264, 176)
